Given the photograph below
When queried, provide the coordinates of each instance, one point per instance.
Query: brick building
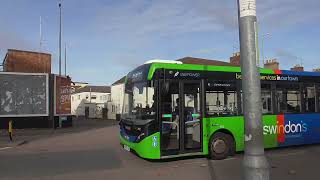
(27, 62)
(298, 68)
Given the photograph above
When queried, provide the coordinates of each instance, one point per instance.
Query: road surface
(96, 154)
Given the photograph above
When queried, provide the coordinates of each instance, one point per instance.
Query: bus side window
(318, 98)
(221, 98)
(309, 96)
(288, 98)
(266, 98)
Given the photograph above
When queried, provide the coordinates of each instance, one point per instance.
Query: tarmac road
(96, 154)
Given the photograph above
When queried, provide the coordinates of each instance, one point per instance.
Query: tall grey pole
(65, 59)
(60, 40)
(255, 164)
(262, 45)
(262, 50)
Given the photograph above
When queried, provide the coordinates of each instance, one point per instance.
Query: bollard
(10, 129)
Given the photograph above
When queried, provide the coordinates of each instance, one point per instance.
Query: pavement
(95, 153)
(23, 136)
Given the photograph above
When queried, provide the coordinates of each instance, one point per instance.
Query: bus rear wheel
(221, 146)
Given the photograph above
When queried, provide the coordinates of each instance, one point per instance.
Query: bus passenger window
(318, 99)
(221, 98)
(310, 98)
(288, 98)
(266, 98)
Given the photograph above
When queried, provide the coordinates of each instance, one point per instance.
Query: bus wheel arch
(221, 144)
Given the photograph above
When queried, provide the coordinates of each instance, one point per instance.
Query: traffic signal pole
(255, 163)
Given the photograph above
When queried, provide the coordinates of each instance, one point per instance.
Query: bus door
(190, 117)
(180, 118)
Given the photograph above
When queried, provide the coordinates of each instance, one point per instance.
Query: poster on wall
(62, 92)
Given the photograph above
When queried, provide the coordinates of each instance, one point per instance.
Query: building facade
(92, 102)
(117, 95)
(26, 61)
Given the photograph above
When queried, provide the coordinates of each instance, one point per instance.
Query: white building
(117, 94)
(92, 102)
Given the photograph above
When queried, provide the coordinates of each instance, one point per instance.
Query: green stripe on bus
(167, 115)
(195, 67)
(195, 115)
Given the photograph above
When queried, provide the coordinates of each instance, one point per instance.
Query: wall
(116, 99)
(80, 100)
(29, 62)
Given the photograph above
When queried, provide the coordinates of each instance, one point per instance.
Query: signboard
(62, 95)
(24, 94)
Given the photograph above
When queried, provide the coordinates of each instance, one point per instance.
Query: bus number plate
(127, 148)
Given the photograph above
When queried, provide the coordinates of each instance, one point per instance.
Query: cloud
(165, 18)
(169, 18)
(12, 40)
(287, 58)
(276, 14)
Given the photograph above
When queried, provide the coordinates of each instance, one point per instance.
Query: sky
(107, 38)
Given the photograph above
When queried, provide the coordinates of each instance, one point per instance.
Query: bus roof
(196, 67)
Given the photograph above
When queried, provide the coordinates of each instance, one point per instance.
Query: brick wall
(26, 61)
(235, 59)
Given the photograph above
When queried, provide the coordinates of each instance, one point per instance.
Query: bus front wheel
(221, 146)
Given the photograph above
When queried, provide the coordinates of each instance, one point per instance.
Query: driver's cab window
(143, 101)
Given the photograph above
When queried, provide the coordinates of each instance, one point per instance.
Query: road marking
(286, 154)
(5, 148)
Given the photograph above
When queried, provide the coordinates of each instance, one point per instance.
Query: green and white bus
(173, 109)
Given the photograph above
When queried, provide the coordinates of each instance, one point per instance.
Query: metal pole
(262, 45)
(255, 164)
(40, 35)
(262, 50)
(65, 59)
(60, 41)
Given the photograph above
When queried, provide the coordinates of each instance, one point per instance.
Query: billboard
(62, 95)
(24, 94)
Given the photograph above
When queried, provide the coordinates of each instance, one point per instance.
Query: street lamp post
(65, 59)
(262, 45)
(255, 164)
(60, 40)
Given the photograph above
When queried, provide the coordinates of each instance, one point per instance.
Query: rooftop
(200, 61)
(99, 89)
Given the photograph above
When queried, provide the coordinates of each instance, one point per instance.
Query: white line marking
(286, 154)
(5, 148)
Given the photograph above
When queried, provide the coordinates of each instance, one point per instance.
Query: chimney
(298, 68)
(235, 59)
(271, 64)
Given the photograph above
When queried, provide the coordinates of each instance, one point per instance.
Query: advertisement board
(62, 96)
(24, 94)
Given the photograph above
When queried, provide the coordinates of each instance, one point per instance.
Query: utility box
(27, 62)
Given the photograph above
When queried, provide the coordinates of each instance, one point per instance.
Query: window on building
(221, 98)
(79, 97)
(93, 97)
(104, 97)
(108, 97)
(288, 98)
(266, 98)
(113, 108)
(309, 96)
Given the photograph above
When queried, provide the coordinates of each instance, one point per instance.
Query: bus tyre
(221, 146)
